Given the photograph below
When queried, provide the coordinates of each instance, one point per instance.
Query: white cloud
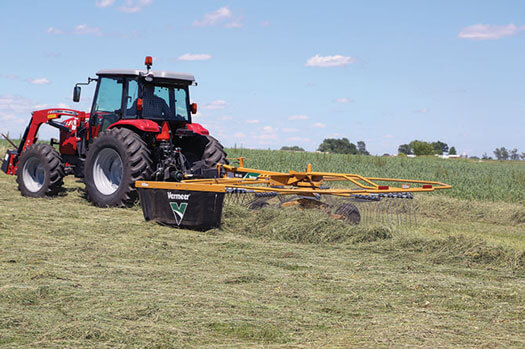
(253, 121)
(217, 104)
(226, 117)
(239, 135)
(194, 57)
(269, 129)
(63, 105)
(40, 106)
(9, 76)
(265, 24)
(343, 100)
(53, 30)
(319, 125)
(424, 110)
(329, 61)
(15, 105)
(298, 139)
(389, 136)
(213, 18)
(236, 23)
(84, 29)
(134, 6)
(290, 130)
(7, 117)
(39, 81)
(489, 32)
(298, 117)
(265, 137)
(104, 3)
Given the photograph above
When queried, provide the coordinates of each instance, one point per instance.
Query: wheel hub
(107, 171)
(34, 174)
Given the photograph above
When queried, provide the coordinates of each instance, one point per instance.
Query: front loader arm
(39, 117)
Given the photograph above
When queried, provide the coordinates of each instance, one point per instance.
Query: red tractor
(139, 128)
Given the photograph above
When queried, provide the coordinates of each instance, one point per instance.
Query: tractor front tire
(40, 171)
(115, 160)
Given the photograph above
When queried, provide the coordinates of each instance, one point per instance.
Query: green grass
(73, 275)
(472, 180)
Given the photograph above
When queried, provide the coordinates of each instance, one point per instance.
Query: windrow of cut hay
(316, 227)
(302, 226)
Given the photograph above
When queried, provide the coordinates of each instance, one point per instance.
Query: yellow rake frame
(308, 183)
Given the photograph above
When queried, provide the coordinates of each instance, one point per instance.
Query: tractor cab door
(115, 99)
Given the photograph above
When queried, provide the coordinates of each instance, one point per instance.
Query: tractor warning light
(148, 61)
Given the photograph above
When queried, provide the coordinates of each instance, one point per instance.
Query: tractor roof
(156, 73)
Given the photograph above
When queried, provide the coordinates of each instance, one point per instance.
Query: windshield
(165, 102)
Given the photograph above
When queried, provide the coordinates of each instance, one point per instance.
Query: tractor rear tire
(203, 154)
(115, 160)
(214, 153)
(40, 171)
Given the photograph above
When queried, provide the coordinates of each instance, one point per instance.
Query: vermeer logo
(179, 210)
(174, 196)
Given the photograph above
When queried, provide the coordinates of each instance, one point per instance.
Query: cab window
(109, 102)
(181, 107)
(131, 98)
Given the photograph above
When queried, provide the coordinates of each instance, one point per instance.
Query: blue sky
(274, 73)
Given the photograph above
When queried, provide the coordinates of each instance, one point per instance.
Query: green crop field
(73, 275)
(471, 179)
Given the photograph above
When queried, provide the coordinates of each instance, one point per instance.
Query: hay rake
(351, 197)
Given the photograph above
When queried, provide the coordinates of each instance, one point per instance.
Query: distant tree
(501, 153)
(514, 155)
(404, 149)
(386, 154)
(422, 148)
(474, 157)
(361, 148)
(522, 156)
(338, 146)
(486, 157)
(292, 148)
(440, 147)
(452, 151)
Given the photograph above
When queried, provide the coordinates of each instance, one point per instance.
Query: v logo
(178, 210)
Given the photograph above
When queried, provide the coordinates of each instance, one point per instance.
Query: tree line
(416, 147)
(504, 154)
(426, 148)
(343, 146)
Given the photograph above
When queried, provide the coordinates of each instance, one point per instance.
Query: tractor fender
(139, 124)
(197, 128)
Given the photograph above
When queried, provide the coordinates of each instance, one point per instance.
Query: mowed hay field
(75, 275)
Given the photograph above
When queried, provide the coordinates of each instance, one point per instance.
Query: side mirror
(76, 94)
(194, 108)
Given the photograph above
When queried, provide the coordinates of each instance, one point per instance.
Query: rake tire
(349, 213)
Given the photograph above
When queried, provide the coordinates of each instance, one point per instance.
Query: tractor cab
(127, 96)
